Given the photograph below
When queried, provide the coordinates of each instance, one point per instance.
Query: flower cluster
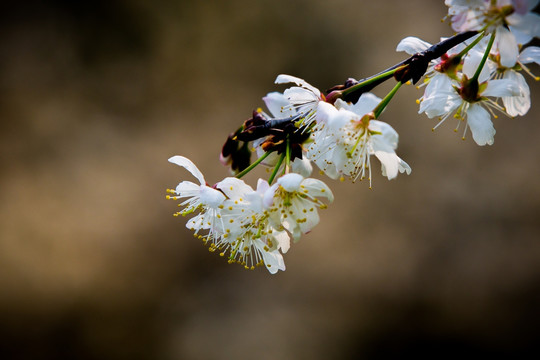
(481, 77)
(471, 75)
(251, 227)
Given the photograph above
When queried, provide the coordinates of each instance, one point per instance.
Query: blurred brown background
(96, 95)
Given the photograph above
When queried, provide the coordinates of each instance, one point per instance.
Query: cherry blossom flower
(302, 99)
(200, 198)
(511, 20)
(468, 100)
(347, 136)
(248, 236)
(293, 201)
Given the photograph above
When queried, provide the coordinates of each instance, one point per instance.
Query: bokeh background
(95, 96)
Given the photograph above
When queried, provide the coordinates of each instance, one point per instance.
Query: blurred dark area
(95, 96)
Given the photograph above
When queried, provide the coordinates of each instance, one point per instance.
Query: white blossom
(200, 198)
(511, 20)
(443, 97)
(293, 202)
(249, 238)
(303, 99)
(347, 136)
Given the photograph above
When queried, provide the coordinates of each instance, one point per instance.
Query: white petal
(195, 223)
(481, 126)
(285, 79)
(365, 104)
(517, 105)
(412, 45)
(234, 188)
(278, 105)
(290, 182)
(501, 87)
(529, 55)
(404, 167)
(507, 46)
(273, 260)
(189, 166)
(283, 239)
(471, 63)
(317, 188)
(187, 188)
(390, 163)
(439, 97)
(521, 37)
(310, 221)
(324, 112)
(302, 166)
(211, 197)
(386, 155)
(528, 24)
(301, 97)
(388, 134)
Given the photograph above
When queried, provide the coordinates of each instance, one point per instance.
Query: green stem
(375, 78)
(288, 156)
(278, 165)
(471, 45)
(384, 102)
(484, 58)
(252, 166)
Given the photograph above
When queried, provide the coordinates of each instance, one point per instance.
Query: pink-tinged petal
(465, 3)
(262, 186)
(412, 45)
(529, 55)
(506, 43)
(278, 105)
(521, 7)
(268, 198)
(234, 188)
(501, 87)
(211, 197)
(189, 166)
(285, 79)
(517, 105)
(479, 121)
(290, 182)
